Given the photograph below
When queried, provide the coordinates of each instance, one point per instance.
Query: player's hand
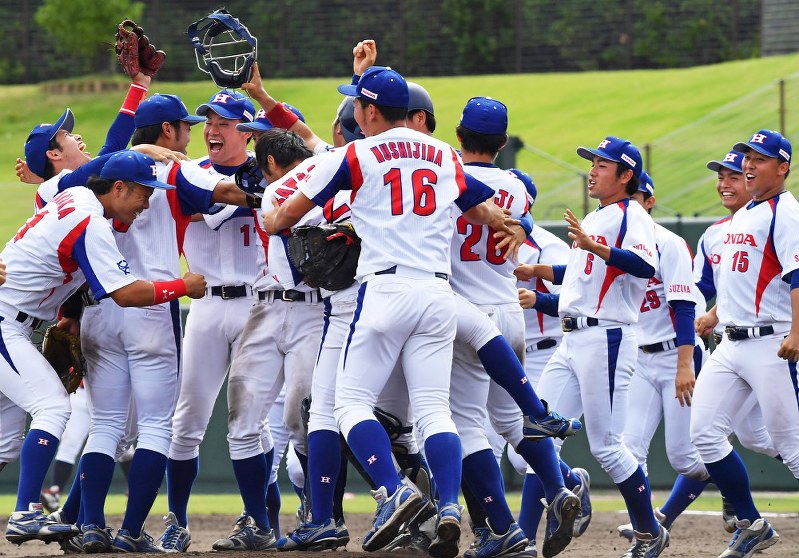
(255, 87)
(142, 79)
(25, 174)
(684, 384)
(2, 271)
(195, 284)
(789, 348)
(160, 154)
(364, 55)
(526, 272)
(527, 298)
(706, 323)
(577, 234)
(269, 218)
(71, 325)
(510, 244)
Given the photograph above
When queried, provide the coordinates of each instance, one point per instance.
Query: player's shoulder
(668, 240)
(543, 237)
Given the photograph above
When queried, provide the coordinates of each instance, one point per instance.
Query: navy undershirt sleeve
(631, 263)
(547, 303)
(684, 315)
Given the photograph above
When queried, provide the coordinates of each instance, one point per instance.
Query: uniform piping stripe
(66, 248)
(612, 272)
(697, 360)
(181, 220)
(460, 179)
(174, 311)
(4, 351)
(794, 380)
(354, 166)
(614, 336)
(355, 318)
(770, 267)
(328, 311)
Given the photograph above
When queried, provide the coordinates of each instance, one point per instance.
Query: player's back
(480, 272)
(673, 280)
(403, 186)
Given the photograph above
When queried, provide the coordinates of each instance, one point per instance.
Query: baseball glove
(62, 351)
(134, 50)
(327, 255)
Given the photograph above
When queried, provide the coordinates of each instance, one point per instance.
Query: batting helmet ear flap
(224, 48)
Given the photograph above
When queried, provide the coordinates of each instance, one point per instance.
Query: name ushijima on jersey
(66, 243)
(760, 250)
(593, 289)
(480, 272)
(673, 280)
(408, 178)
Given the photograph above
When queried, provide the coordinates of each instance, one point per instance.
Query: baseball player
(756, 293)
(67, 151)
(669, 359)
(195, 190)
(483, 277)
(403, 276)
(64, 244)
(613, 254)
(223, 246)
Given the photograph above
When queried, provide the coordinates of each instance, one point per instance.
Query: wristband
(165, 291)
(281, 117)
(136, 95)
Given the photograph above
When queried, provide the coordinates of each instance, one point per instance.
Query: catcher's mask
(224, 48)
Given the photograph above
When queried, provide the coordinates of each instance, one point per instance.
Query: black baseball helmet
(419, 99)
(346, 117)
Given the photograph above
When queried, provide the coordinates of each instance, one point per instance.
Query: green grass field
(230, 504)
(686, 116)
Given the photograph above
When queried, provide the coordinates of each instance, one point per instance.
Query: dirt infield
(692, 536)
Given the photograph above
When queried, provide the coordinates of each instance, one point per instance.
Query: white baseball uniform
(223, 247)
(481, 275)
(283, 323)
(749, 425)
(65, 244)
(403, 312)
(591, 369)
(759, 252)
(652, 388)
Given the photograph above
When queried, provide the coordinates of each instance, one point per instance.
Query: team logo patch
(730, 158)
(785, 155)
(758, 138)
(372, 459)
(153, 169)
(325, 480)
(603, 144)
(221, 98)
(366, 93)
(123, 266)
(44, 442)
(627, 159)
(260, 114)
(248, 115)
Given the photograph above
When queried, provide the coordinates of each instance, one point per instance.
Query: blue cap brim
(155, 184)
(348, 89)
(192, 120)
(66, 122)
(203, 109)
(742, 147)
(715, 166)
(253, 127)
(589, 154)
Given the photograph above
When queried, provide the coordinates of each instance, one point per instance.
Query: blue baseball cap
(132, 166)
(229, 104)
(732, 161)
(485, 115)
(163, 108)
(261, 122)
(768, 143)
(39, 139)
(380, 85)
(618, 150)
(645, 184)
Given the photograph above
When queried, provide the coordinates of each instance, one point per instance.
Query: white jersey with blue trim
(708, 254)
(480, 272)
(47, 190)
(760, 250)
(61, 246)
(403, 185)
(593, 289)
(673, 280)
(277, 270)
(542, 247)
(152, 245)
(224, 246)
